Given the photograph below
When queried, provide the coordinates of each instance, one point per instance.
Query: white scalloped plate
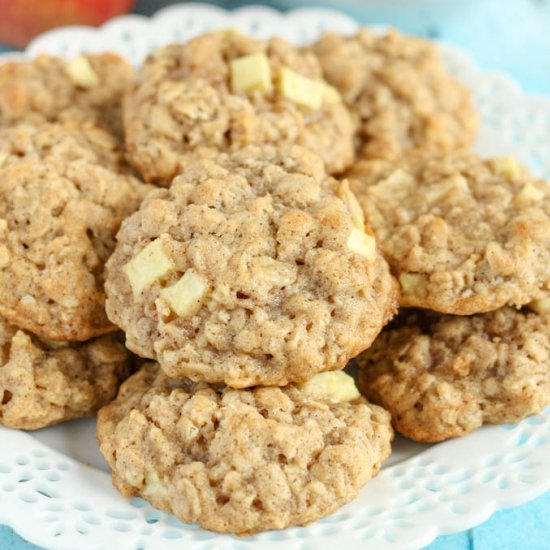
(54, 489)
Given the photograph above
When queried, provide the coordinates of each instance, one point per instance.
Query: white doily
(54, 490)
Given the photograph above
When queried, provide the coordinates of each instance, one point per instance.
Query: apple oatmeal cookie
(63, 141)
(253, 268)
(50, 89)
(463, 235)
(222, 91)
(58, 222)
(443, 376)
(400, 94)
(240, 461)
(43, 383)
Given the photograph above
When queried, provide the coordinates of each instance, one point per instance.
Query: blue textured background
(511, 36)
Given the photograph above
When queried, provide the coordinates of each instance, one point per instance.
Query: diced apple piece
(398, 184)
(331, 94)
(436, 192)
(336, 386)
(148, 266)
(81, 72)
(273, 272)
(250, 73)
(301, 90)
(361, 243)
(540, 306)
(3, 158)
(507, 167)
(413, 284)
(352, 204)
(230, 31)
(187, 295)
(154, 487)
(529, 194)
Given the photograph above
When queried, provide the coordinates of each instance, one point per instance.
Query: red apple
(21, 20)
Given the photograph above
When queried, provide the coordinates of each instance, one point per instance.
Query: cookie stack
(301, 196)
(469, 239)
(251, 282)
(63, 193)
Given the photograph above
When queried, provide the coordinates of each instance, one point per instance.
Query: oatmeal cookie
(58, 222)
(194, 100)
(464, 235)
(68, 142)
(400, 95)
(249, 270)
(444, 376)
(239, 461)
(42, 383)
(50, 89)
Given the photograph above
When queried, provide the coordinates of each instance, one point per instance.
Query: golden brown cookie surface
(69, 141)
(58, 222)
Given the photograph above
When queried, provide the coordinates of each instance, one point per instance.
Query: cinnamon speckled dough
(239, 461)
(464, 235)
(41, 91)
(444, 376)
(399, 93)
(58, 222)
(183, 106)
(266, 230)
(42, 384)
(67, 142)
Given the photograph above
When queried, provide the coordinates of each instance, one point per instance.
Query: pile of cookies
(246, 217)
(64, 190)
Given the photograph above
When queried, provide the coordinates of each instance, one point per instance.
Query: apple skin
(22, 20)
